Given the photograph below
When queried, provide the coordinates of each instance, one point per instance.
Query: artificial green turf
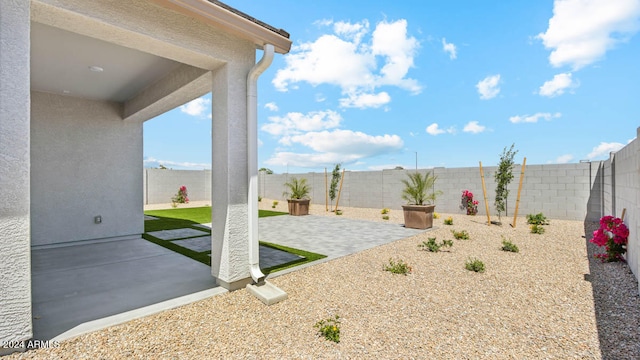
(186, 218)
(307, 257)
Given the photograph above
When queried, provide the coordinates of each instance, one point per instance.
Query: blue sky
(371, 83)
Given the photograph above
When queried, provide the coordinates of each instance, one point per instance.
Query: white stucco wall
(15, 265)
(85, 161)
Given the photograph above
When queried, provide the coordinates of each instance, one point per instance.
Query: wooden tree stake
(515, 215)
(484, 192)
(340, 190)
(326, 191)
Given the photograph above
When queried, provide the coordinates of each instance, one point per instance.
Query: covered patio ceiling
(71, 64)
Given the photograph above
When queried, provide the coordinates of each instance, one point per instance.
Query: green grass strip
(198, 215)
(202, 257)
(171, 219)
(307, 257)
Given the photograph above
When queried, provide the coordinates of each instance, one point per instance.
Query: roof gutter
(252, 150)
(231, 20)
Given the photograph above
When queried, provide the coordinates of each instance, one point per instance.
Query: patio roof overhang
(231, 20)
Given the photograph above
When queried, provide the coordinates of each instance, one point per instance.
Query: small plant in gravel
(385, 217)
(468, 203)
(397, 267)
(180, 198)
(259, 198)
(613, 234)
(508, 246)
(537, 219)
(460, 235)
(433, 246)
(385, 211)
(275, 203)
(474, 265)
(338, 212)
(448, 221)
(329, 328)
(537, 229)
(436, 215)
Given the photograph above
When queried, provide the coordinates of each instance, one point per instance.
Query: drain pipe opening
(252, 149)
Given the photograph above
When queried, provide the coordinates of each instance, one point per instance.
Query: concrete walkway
(82, 288)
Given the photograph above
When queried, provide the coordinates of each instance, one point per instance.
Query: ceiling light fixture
(96, 68)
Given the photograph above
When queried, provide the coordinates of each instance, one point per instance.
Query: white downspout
(252, 154)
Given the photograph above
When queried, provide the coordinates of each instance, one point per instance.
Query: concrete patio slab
(177, 234)
(76, 284)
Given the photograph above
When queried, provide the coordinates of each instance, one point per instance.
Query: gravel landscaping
(551, 300)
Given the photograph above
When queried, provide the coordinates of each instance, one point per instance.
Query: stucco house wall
(85, 162)
(15, 259)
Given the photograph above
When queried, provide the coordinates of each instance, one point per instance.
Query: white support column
(229, 176)
(15, 250)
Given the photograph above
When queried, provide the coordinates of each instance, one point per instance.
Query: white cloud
(474, 127)
(348, 141)
(152, 162)
(365, 100)
(533, 118)
(330, 147)
(449, 48)
(557, 85)
(488, 87)
(563, 159)
(197, 107)
(434, 130)
(346, 60)
(295, 123)
(271, 106)
(582, 31)
(604, 149)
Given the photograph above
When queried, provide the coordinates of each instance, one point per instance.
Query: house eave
(232, 21)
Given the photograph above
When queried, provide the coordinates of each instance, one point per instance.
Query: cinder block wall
(160, 185)
(560, 191)
(621, 190)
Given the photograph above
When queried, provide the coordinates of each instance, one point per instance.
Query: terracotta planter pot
(298, 207)
(418, 216)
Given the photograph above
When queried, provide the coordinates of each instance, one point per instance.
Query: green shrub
(433, 246)
(385, 211)
(460, 235)
(537, 229)
(329, 328)
(537, 219)
(275, 203)
(259, 198)
(397, 267)
(509, 246)
(474, 265)
(385, 217)
(338, 212)
(448, 221)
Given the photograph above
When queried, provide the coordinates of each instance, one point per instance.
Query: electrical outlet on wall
(97, 219)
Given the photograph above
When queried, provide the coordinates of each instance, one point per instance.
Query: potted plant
(298, 196)
(418, 214)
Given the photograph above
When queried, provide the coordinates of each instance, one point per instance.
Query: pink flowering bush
(468, 203)
(181, 196)
(613, 234)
